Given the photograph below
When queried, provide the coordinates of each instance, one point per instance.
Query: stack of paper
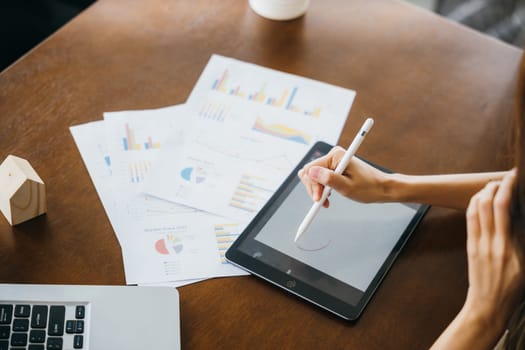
(180, 183)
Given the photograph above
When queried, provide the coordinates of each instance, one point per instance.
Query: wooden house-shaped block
(22, 191)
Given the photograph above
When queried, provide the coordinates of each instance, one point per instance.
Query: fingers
(488, 215)
(480, 223)
(326, 177)
(326, 162)
(502, 202)
(306, 182)
(334, 157)
(473, 226)
(502, 224)
(485, 207)
(494, 261)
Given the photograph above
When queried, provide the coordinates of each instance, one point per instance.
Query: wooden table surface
(442, 97)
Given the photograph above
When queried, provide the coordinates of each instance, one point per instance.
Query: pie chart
(193, 174)
(169, 245)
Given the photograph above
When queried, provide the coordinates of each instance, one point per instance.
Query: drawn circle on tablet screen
(313, 242)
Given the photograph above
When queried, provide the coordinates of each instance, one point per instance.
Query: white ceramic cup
(280, 9)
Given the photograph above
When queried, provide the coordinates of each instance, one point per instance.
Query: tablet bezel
(293, 285)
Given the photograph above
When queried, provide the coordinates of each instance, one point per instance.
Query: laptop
(38, 317)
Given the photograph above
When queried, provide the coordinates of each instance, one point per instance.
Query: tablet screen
(348, 241)
(340, 259)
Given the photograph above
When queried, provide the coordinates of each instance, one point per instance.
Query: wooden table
(442, 96)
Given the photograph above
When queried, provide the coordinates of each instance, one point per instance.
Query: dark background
(25, 23)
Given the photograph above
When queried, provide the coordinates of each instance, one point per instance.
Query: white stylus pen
(343, 163)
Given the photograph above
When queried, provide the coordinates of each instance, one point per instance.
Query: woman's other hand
(495, 268)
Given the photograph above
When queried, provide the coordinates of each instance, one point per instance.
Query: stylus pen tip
(307, 220)
(303, 227)
(297, 235)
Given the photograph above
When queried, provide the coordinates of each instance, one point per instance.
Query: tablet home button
(291, 283)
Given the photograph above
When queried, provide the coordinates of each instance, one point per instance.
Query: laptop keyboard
(42, 326)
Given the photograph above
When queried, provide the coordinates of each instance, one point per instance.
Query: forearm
(471, 331)
(451, 191)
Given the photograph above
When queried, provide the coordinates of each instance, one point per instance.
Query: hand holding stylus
(367, 125)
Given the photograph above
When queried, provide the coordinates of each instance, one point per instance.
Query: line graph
(279, 161)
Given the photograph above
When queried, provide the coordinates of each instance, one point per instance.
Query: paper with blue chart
(91, 142)
(159, 239)
(134, 140)
(252, 126)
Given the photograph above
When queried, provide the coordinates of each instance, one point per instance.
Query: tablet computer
(342, 258)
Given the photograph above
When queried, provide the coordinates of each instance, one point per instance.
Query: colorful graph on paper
(225, 234)
(144, 206)
(214, 111)
(137, 170)
(285, 99)
(171, 244)
(193, 174)
(129, 142)
(251, 193)
(281, 130)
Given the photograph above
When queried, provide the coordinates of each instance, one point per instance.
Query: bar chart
(285, 99)
(251, 193)
(137, 170)
(225, 235)
(129, 142)
(214, 111)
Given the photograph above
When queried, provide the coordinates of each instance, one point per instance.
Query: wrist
(486, 321)
(395, 187)
(470, 329)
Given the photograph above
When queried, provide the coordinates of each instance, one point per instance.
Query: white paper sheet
(135, 138)
(252, 126)
(91, 144)
(187, 246)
